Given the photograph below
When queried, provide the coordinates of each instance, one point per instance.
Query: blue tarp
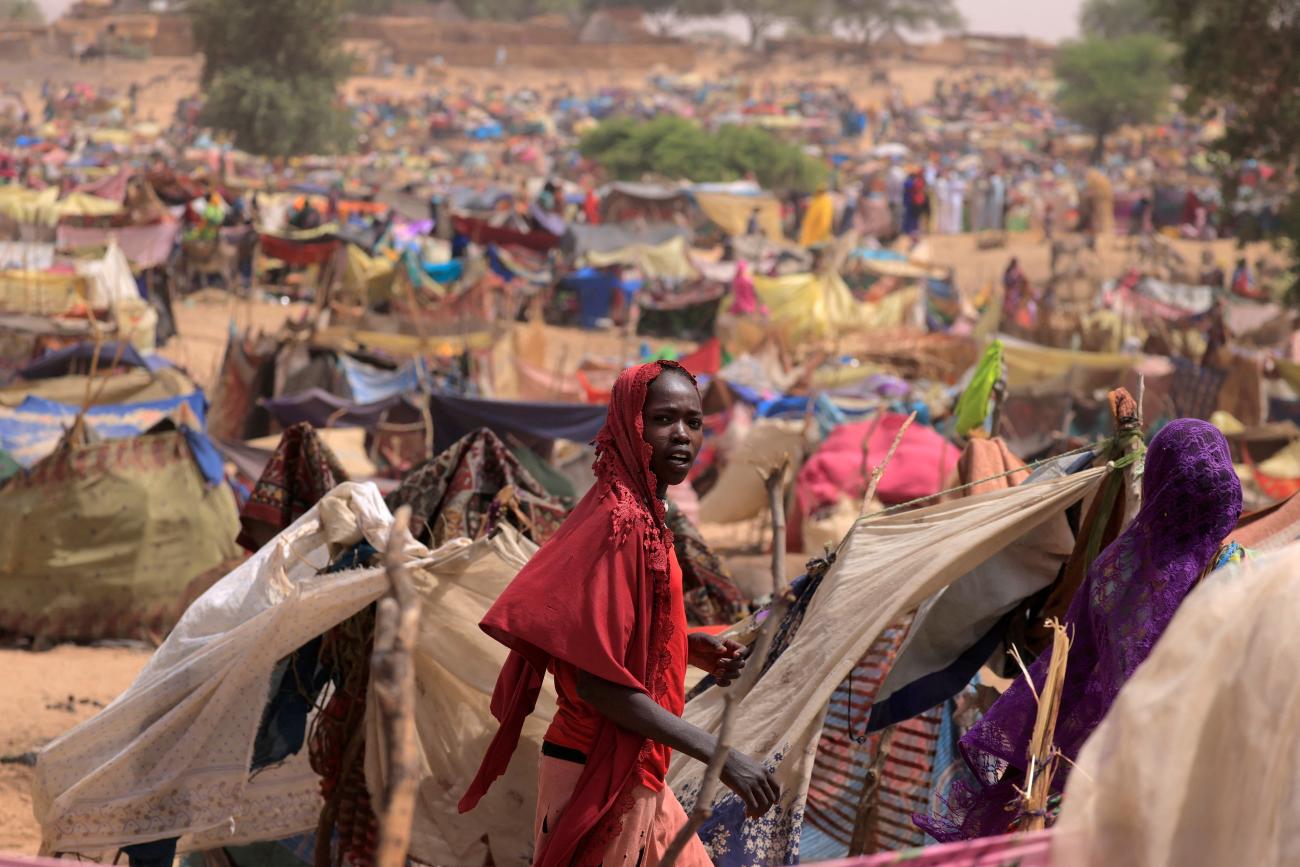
(444, 272)
(534, 424)
(61, 362)
(595, 290)
(371, 384)
(32, 430)
(322, 409)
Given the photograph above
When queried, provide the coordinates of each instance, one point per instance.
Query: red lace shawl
(595, 596)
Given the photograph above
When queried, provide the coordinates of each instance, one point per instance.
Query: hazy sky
(1046, 19)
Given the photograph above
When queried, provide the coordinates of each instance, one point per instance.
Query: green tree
(1242, 54)
(865, 21)
(676, 148)
(1105, 84)
(1115, 19)
(271, 73)
(21, 10)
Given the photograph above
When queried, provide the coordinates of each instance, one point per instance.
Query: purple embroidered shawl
(1191, 500)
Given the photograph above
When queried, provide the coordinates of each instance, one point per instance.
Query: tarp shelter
(321, 409)
(536, 425)
(483, 233)
(146, 246)
(1030, 364)
(814, 306)
(32, 429)
(583, 239)
(667, 261)
(731, 212)
(595, 289)
(625, 201)
(112, 539)
(80, 356)
(885, 567)
(184, 732)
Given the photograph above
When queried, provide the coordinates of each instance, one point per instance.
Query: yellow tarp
(112, 540)
(40, 292)
(404, 345)
(368, 277)
(1227, 423)
(45, 208)
(1028, 363)
(815, 306)
(1283, 465)
(1289, 371)
(731, 212)
(668, 261)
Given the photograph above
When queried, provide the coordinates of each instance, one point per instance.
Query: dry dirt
(43, 695)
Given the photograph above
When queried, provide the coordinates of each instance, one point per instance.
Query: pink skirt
(648, 828)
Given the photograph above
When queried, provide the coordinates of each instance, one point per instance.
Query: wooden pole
(1042, 752)
(879, 471)
(774, 481)
(392, 675)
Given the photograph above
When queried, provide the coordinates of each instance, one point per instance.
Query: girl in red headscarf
(600, 607)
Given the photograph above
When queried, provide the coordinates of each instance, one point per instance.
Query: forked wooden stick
(392, 674)
(774, 481)
(1042, 752)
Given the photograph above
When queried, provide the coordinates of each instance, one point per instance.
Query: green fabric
(8, 466)
(973, 405)
(556, 483)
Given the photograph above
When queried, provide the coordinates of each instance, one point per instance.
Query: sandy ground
(44, 695)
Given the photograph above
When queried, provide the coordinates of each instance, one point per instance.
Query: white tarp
(170, 756)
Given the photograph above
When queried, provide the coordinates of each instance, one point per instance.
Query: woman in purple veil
(1191, 499)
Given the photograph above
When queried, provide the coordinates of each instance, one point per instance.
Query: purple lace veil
(1191, 500)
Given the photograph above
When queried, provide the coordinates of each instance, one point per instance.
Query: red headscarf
(595, 596)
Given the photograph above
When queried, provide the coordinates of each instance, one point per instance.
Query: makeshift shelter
(626, 202)
(731, 212)
(815, 306)
(112, 539)
(884, 568)
(194, 728)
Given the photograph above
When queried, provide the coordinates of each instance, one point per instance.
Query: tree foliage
(1242, 54)
(866, 21)
(21, 10)
(271, 73)
(1105, 84)
(1115, 19)
(673, 147)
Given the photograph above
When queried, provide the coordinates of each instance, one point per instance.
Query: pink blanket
(923, 461)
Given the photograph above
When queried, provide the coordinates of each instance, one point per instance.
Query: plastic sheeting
(885, 567)
(667, 261)
(731, 212)
(813, 306)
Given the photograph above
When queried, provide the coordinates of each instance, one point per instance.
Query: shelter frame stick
(1042, 753)
(878, 472)
(392, 676)
(774, 481)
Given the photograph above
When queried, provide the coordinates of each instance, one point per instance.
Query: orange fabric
(648, 827)
(576, 722)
